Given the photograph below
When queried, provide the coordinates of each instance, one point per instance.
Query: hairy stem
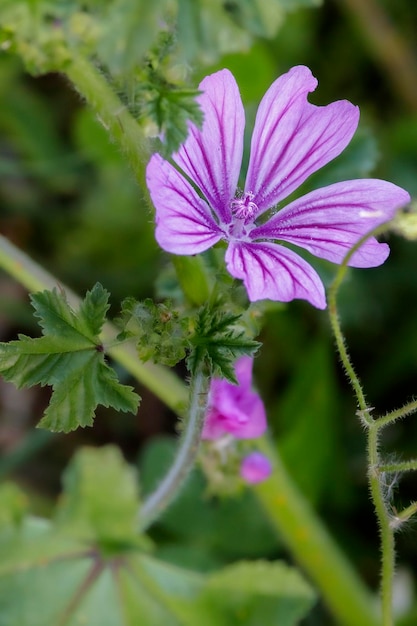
(185, 458)
(373, 426)
(405, 466)
(343, 353)
(112, 113)
(404, 515)
(393, 416)
(376, 487)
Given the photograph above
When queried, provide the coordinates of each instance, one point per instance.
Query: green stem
(313, 547)
(157, 378)
(373, 426)
(405, 466)
(26, 272)
(128, 136)
(393, 416)
(112, 113)
(340, 340)
(344, 355)
(185, 457)
(193, 278)
(404, 515)
(385, 529)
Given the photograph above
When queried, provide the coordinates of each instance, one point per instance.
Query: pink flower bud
(235, 409)
(255, 468)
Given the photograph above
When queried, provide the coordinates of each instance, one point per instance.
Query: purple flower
(291, 139)
(255, 468)
(235, 409)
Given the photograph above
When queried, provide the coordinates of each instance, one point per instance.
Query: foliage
(90, 564)
(218, 340)
(69, 357)
(134, 41)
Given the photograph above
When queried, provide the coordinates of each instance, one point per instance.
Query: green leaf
(172, 108)
(261, 18)
(69, 357)
(128, 28)
(192, 274)
(219, 340)
(176, 110)
(101, 498)
(89, 566)
(74, 583)
(252, 593)
(208, 29)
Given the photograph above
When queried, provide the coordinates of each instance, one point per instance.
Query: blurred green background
(68, 198)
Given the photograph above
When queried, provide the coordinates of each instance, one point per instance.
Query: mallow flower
(198, 203)
(235, 410)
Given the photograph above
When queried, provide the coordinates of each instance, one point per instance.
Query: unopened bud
(405, 222)
(255, 468)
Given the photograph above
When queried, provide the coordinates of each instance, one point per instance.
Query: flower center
(243, 208)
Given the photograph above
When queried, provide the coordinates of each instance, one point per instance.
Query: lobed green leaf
(89, 566)
(69, 357)
(101, 498)
(218, 340)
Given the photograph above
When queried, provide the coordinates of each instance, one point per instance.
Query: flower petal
(212, 156)
(184, 223)
(243, 417)
(274, 272)
(329, 221)
(243, 370)
(293, 138)
(235, 409)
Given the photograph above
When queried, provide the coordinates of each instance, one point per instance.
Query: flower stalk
(159, 500)
(377, 488)
(112, 114)
(373, 426)
(405, 466)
